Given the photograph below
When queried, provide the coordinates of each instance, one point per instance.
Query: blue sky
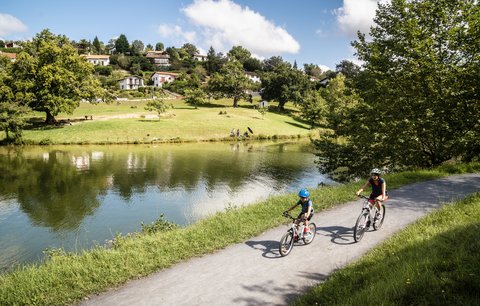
(308, 31)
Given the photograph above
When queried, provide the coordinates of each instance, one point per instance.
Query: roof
(9, 55)
(96, 56)
(131, 76)
(166, 73)
(157, 55)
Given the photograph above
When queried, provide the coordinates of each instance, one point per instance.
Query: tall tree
(137, 47)
(51, 77)
(230, 82)
(348, 68)
(97, 46)
(12, 112)
(419, 87)
(239, 53)
(214, 61)
(313, 107)
(84, 46)
(284, 84)
(312, 70)
(159, 46)
(122, 45)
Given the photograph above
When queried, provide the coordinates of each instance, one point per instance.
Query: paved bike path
(253, 273)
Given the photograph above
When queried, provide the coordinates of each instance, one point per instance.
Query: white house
(200, 57)
(100, 59)
(253, 77)
(159, 78)
(159, 58)
(131, 82)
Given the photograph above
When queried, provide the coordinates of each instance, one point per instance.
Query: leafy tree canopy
(419, 89)
(51, 77)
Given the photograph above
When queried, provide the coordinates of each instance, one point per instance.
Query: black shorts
(300, 216)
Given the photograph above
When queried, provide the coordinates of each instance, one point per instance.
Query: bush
(103, 70)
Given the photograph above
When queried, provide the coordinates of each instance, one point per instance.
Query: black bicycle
(294, 234)
(365, 219)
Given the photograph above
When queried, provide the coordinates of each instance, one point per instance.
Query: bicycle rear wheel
(308, 238)
(286, 244)
(360, 226)
(377, 223)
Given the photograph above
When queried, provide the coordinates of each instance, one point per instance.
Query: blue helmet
(304, 193)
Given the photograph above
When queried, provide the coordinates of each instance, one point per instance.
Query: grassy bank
(65, 278)
(129, 122)
(435, 261)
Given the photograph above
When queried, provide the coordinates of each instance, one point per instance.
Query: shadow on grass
(299, 125)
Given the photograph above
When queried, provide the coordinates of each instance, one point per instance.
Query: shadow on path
(288, 293)
(339, 234)
(268, 247)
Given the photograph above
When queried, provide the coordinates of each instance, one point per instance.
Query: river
(75, 197)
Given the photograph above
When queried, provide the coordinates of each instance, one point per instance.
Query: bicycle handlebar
(367, 198)
(287, 215)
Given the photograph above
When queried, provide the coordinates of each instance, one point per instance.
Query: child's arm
(292, 207)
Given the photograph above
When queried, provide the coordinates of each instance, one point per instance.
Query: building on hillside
(159, 78)
(13, 44)
(159, 58)
(252, 76)
(324, 82)
(263, 104)
(131, 82)
(98, 60)
(11, 56)
(200, 57)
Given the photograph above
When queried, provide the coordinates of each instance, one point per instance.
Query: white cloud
(167, 30)
(225, 24)
(357, 15)
(10, 25)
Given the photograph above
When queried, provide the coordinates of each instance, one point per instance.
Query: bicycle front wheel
(360, 227)
(286, 244)
(308, 237)
(378, 222)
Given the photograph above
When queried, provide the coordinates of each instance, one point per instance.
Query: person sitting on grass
(307, 210)
(379, 189)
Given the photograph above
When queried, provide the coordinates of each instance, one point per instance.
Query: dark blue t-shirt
(305, 206)
(376, 186)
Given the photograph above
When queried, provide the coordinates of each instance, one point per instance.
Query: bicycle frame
(294, 234)
(366, 218)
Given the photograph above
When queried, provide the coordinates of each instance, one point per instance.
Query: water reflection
(72, 196)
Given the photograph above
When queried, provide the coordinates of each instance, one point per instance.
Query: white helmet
(376, 171)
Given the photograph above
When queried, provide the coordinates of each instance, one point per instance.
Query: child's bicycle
(294, 235)
(365, 219)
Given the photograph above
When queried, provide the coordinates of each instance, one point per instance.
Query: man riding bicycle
(379, 188)
(307, 209)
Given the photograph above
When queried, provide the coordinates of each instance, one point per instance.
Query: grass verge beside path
(435, 261)
(66, 278)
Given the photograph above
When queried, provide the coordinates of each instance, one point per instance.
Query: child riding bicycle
(379, 189)
(307, 209)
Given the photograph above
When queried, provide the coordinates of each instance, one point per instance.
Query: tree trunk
(281, 105)
(50, 118)
(235, 102)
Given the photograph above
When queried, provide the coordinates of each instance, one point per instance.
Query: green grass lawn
(113, 123)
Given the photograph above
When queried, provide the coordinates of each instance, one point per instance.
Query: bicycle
(364, 220)
(294, 235)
